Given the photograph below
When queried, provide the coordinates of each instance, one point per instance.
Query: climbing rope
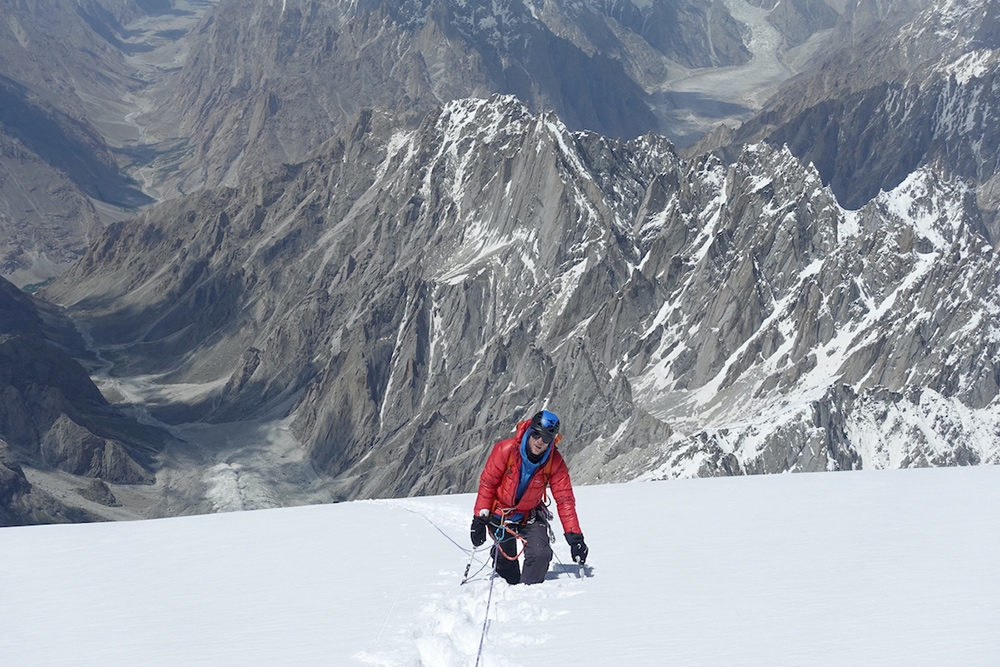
(497, 535)
(438, 529)
(486, 620)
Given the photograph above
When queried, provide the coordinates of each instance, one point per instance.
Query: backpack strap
(547, 468)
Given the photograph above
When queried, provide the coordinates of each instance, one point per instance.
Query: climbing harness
(504, 527)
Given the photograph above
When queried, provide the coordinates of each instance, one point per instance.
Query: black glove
(478, 531)
(577, 547)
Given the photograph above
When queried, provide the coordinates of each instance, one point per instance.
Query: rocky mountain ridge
(406, 295)
(63, 80)
(95, 87)
(920, 91)
(813, 290)
(53, 417)
(266, 82)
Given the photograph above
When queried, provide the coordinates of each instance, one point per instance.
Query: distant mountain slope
(921, 90)
(818, 294)
(403, 289)
(266, 82)
(261, 83)
(62, 73)
(53, 417)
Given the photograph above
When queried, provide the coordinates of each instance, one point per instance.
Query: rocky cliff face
(51, 414)
(267, 82)
(62, 73)
(798, 20)
(835, 316)
(690, 34)
(408, 294)
(920, 91)
(22, 504)
(13, 483)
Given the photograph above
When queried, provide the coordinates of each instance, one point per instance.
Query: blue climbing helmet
(546, 423)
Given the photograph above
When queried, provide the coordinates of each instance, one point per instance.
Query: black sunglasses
(546, 438)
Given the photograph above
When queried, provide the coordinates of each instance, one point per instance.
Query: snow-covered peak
(935, 210)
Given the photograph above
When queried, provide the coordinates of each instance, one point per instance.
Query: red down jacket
(498, 483)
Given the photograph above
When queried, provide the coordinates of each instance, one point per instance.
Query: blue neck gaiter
(528, 468)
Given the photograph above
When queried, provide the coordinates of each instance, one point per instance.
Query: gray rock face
(407, 295)
(920, 91)
(14, 486)
(267, 82)
(689, 34)
(51, 414)
(71, 447)
(21, 504)
(13, 483)
(865, 318)
(59, 76)
(99, 492)
(798, 20)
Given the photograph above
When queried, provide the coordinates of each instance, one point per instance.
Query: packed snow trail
(828, 569)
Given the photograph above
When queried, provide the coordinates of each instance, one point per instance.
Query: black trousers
(537, 551)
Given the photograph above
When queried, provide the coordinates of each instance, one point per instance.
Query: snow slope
(859, 568)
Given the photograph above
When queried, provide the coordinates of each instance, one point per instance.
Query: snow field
(861, 568)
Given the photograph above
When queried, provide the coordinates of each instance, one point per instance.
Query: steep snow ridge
(850, 226)
(466, 126)
(563, 139)
(712, 394)
(961, 113)
(915, 202)
(397, 142)
(567, 283)
(469, 127)
(921, 433)
(481, 241)
(971, 65)
(954, 15)
(397, 360)
(941, 21)
(712, 214)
